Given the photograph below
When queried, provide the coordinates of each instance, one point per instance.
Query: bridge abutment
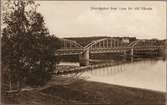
(84, 58)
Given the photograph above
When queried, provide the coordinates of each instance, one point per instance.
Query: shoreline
(89, 93)
(139, 88)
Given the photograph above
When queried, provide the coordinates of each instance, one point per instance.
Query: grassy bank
(85, 92)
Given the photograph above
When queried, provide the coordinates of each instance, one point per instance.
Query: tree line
(28, 49)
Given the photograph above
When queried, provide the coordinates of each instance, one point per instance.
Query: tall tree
(27, 47)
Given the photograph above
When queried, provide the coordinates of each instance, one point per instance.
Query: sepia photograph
(87, 52)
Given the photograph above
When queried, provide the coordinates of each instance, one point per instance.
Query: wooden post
(10, 84)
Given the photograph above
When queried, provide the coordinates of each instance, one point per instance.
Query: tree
(27, 47)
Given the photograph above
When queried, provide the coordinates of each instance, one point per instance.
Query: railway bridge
(111, 45)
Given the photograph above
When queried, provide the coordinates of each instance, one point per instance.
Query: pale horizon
(78, 19)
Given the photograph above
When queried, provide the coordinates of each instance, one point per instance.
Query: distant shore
(87, 93)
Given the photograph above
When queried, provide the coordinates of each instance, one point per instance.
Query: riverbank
(81, 92)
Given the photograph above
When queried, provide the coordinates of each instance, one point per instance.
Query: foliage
(27, 47)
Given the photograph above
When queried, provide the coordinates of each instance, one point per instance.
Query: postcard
(83, 52)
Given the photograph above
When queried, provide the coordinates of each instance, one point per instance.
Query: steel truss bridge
(109, 45)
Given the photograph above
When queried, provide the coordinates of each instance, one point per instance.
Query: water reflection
(149, 74)
(108, 71)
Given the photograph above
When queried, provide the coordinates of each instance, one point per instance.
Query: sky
(141, 19)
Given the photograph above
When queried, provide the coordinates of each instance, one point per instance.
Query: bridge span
(116, 46)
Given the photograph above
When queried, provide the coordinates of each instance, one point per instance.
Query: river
(147, 74)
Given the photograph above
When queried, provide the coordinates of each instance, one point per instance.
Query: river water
(148, 74)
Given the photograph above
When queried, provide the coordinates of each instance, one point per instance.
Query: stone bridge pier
(84, 58)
